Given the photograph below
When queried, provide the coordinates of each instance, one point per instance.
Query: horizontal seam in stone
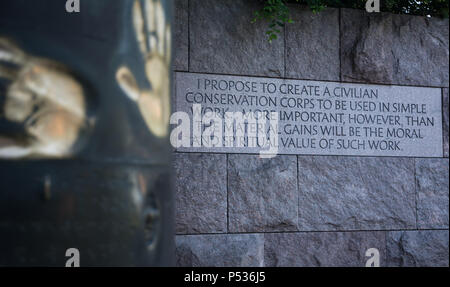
(315, 80)
(315, 231)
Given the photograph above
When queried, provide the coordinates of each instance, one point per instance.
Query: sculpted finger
(128, 83)
(138, 22)
(168, 44)
(151, 24)
(19, 104)
(160, 20)
(14, 152)
(9, 52)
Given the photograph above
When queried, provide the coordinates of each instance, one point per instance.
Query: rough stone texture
(181, 36)
(201, 193)
(322, 248)
(432, 193)
(417, 248)
(173, 99)
(220, 250)
(421, 54)
(354, 193)
(445, 126)
(312, 44)
(223, 40)
(262, 193)
(397, 49)
(366, 42)
(330, 193)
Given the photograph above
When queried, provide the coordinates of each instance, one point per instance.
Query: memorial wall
(312, 149)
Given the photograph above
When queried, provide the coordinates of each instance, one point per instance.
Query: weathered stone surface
(322, 248)
(349, 193)
(201, 193)
(223, 40)
(220, 250)
(417, 248)
(398, 49)
(308, 55)
(262, 193)
(366, 43)
(445, 125)
(180, 48)
(420, 48)
(432, 193)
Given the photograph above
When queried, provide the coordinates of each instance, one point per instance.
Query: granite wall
(240, 210)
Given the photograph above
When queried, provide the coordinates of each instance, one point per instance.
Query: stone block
(312, 44)
(394, 49)
(262, 193)
(220, 250)
(322, 249)
(424, 248)
(432, 193)
(355, 193)
(180, 60)
(223, 40)
(201, 193)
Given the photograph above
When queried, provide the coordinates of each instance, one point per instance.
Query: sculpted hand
(45, 99)
(153, 36)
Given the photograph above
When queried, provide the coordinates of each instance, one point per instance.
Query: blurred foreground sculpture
(84, 148)
(45, 99)
(154, 39)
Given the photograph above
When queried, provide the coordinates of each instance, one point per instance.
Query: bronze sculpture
(45, 99)
(84, 149)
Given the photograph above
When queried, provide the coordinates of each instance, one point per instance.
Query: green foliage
(276, 12)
